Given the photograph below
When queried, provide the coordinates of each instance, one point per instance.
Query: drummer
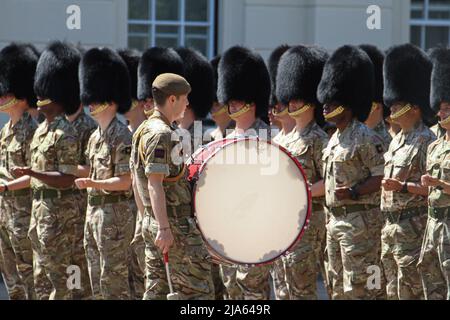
(169, 223)
(244, 86)
(298, 76)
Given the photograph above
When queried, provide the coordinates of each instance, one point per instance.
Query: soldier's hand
(83, 183)
(18, 172)
(429, 181)
(342, 193)
(390, 184)
(164, 240)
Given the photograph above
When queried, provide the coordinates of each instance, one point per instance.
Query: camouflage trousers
(254, 282)
(52, 234)
(303, 265)
(228, 275)
(400, 251)
(15, 247)
(107, 235)
(353, 248)
(279, 280)
(219, 288)
(79, 255)
(189, 261)
(137, 262)
(434, 261)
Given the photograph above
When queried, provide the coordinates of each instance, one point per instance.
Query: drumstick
(172, 295)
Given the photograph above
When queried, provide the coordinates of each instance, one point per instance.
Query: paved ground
(321, 290)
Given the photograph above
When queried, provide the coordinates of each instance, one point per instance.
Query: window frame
(425, 21)
(181, 23)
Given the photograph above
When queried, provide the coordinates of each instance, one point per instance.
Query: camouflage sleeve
(371, 154)
(422, 153)
(121, 160)
(321, 143)
(155, 151)
(67, 154)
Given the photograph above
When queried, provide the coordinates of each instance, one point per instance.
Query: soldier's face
(403, 120)
(7, 102)
(444, 115)
(180, 105)
(328, 110)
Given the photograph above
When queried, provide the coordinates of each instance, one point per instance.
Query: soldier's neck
(374, 119)
(16, 114)
(136, 121)
(105, 119)
(244, 122)
(287, 124)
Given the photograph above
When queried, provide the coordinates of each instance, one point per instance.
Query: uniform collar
(158, 115)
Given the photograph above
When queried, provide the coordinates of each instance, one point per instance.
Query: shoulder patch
(160, 153)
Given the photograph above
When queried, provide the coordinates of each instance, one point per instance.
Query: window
(172, 23)
(430, 23)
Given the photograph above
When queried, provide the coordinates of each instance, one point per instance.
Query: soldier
(200, 75)
(54, 159)
(244, 86)
(353, 168)
(168, 225)
(84, 125)
(16, 98)
(110, 217)
(219, 112)
(153, 62)
(379, 111)
(434, 266)
(278, 111)
(299, 74)
(407, 72)
(135, 117)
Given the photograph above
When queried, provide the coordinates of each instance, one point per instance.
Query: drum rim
(308, 193)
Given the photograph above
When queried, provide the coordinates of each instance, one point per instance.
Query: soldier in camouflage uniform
(110, 217)
(438, 131)
(434, 260)
(299, 73)
(168, 225)
(279, 113)
(16, 98)
(379, 111)
(352, 171)
(244, 86)
(54, 159)
(219, 112)
(135, 117)
(403, 198)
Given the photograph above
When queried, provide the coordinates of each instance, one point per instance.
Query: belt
(52, 193)
(16, 193)
(345, 210)
(107, 199)
(439, 213)
(399, 215)
(174, 211)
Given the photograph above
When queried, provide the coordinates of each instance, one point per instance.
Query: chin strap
(401, 112)
(219, 112)
(335, 113)
(8, 104)
(41, 103)
(99, 109)
(282, 113)
(300, 111)
(445, 121)
(236, 115)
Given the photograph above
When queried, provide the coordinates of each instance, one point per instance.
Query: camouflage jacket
(54, 148)
(350, 158)
(406, 161)
(438, 166)
(15, 145)
(383, 132)
(84, 126)
(109, 155)
(159, 151)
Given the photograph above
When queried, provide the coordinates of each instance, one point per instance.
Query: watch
(354, 195)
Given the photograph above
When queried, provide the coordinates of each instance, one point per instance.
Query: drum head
(251, 201)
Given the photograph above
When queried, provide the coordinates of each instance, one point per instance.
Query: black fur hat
(104, 78)
(243, 76)
(377, 57)
(407, 76)
(131, 58)
(273, 63)
(57, 76)
(440, 77)
(155, 61)
(17, 69)
(348, 79)
(200, 75)
(215, 64)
